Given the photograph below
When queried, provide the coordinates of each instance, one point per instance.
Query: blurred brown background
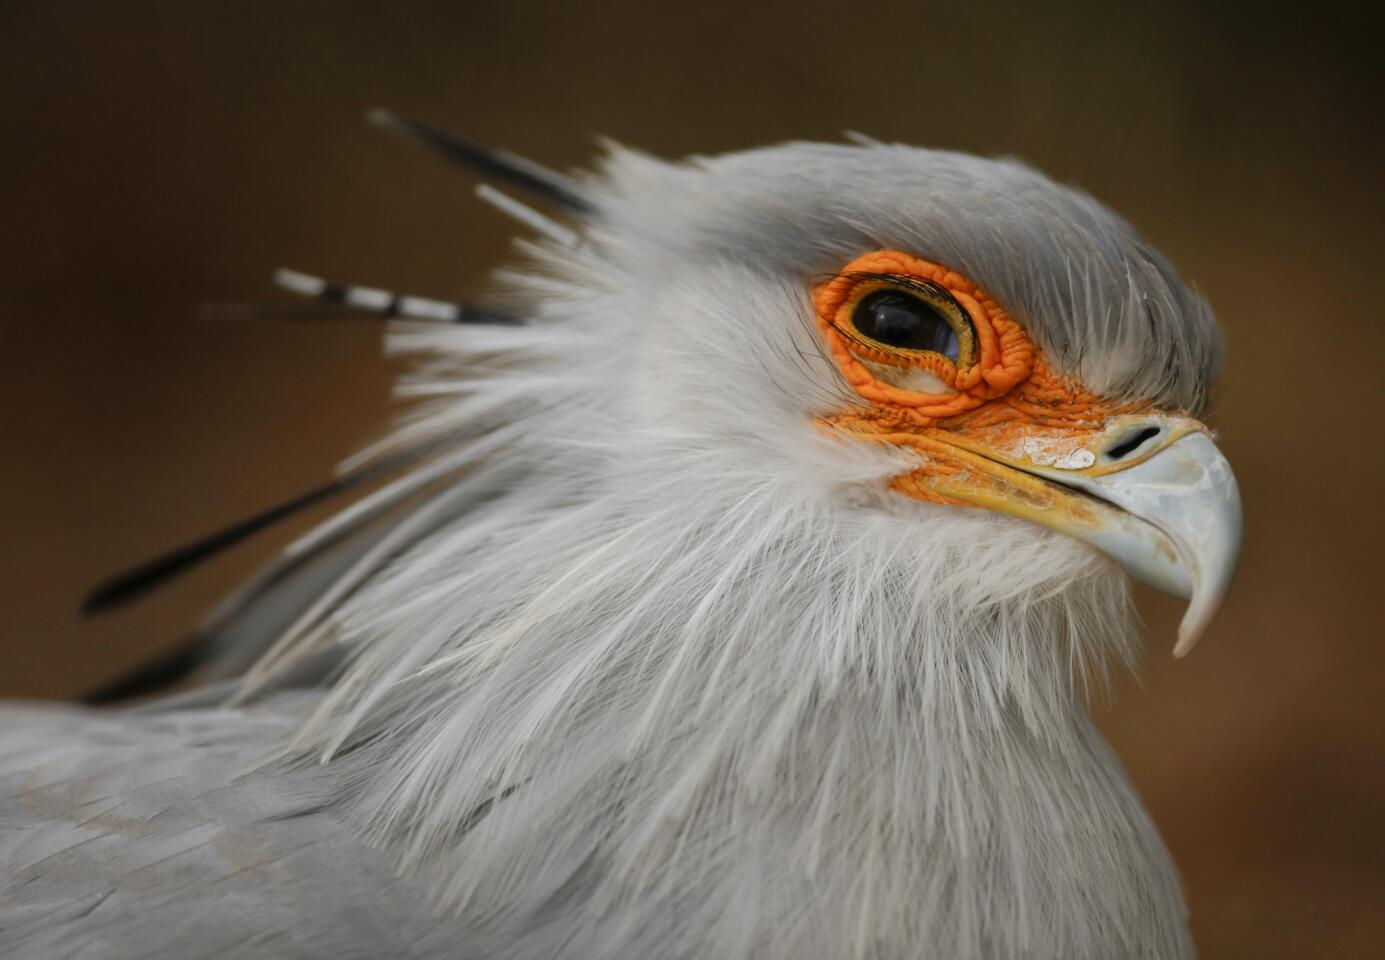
(165, 155)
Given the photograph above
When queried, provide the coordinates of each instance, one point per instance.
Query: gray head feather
(1106, 307)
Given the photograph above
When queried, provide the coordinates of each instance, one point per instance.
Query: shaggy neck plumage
(672, 717)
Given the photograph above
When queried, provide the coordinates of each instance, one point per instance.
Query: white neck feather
(660, 725)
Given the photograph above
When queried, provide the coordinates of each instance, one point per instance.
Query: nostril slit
(1131, 443)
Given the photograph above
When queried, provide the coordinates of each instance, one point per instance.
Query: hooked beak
(1186, 492)
(1152, 492)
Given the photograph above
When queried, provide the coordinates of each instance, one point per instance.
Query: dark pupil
(897, 319)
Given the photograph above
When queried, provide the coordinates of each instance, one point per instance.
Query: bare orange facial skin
(998, 399)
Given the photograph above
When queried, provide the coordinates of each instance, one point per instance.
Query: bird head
(1004, 343)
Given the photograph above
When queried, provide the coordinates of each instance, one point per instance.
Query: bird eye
(903, 321)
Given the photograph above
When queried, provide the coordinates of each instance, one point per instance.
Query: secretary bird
(736, 593)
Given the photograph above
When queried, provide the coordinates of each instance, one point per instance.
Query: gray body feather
(144, 834)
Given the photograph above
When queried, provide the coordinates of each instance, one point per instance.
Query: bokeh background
(166, 155)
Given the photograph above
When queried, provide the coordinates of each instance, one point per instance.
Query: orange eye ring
(999, 357)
